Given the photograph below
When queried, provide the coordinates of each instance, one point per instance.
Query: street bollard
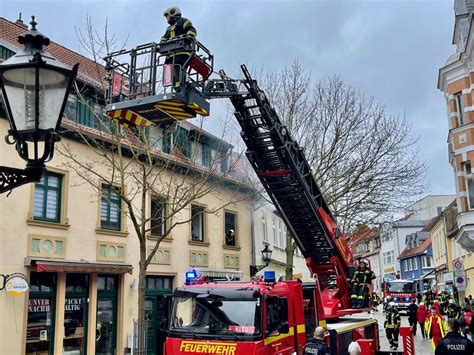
(408, 343)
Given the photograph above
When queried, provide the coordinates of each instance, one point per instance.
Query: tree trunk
(141, 282)
(290, 250)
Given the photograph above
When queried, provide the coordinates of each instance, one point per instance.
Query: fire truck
(263, 315)
(400, 291)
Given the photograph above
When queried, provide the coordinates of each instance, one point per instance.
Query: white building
(428, 207)
(269, 228)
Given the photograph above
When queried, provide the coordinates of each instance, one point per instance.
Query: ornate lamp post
(35, 88)
(267, 257)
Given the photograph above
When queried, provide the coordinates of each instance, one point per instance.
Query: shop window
(197, 223)
(110, 211)
(159, 283)
(230, 221)
(47, 199)
(75, 313)
(41, 313)
(158, 217)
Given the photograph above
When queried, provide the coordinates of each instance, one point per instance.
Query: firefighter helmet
(172, 11)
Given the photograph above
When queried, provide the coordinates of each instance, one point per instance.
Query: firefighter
(317, 344)
(392, 325)
(435, 328)
(453, 311)
(375, 301)
(178, 26)
(454, 343)
(411, 311)
(359, 291)
(386, 305)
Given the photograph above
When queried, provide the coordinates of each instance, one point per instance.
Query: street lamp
(267, 257)
(35, 88)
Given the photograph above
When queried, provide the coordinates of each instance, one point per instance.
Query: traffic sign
(458, 265)
(460, 280)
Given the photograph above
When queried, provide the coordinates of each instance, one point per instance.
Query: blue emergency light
(191, 276)
(269, 276)
(395, 298)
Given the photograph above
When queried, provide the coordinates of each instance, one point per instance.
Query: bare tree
(129, 163)
(364, 159)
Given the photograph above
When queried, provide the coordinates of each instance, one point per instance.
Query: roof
(416, 250)
(89, 71)
(362, 235)
(431, 223)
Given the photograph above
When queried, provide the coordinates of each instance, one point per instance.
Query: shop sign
(16, 284)
(73, 304)
(39, 305)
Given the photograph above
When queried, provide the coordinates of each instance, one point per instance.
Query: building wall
(80, 239)
(268, 227)
(428, 207)
(440, 252)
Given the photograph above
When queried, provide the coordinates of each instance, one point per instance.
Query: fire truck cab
(400, 291)
(257, 317)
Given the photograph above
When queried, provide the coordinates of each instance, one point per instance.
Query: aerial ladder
(139, 96)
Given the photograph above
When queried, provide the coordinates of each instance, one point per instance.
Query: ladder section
(286, 175)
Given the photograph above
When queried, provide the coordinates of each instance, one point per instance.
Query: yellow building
(79, 249)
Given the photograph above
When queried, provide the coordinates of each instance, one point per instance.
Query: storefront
(72, 308)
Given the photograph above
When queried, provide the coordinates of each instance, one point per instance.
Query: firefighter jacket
(453, 311)
(182, 27)
(362, 277)
(454, 344)
(411, 311)
(392, 319)
(429, 323)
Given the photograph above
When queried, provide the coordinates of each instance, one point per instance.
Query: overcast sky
(389, 49)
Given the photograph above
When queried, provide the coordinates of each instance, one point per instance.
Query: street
(421, 346)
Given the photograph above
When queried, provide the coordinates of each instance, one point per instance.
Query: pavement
(422, 346)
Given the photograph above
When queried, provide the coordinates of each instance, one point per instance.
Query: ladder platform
(144, 111)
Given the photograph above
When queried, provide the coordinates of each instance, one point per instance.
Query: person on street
(412, 319)
(418, 298)
(453, 311)
(360, 280)
(317, 344)
(454, 343)
(392, 326)
(435, 328)
(421, 315)
(467, 325)
(437, 307)
(178, 26)
(386, 305)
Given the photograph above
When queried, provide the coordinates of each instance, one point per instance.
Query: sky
(389, 49)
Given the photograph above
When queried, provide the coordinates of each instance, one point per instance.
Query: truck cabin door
(310, 310)
(278, 336)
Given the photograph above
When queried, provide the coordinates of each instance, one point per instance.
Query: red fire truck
(261, 316)
(400, 291)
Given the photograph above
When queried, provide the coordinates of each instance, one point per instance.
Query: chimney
(20, 22)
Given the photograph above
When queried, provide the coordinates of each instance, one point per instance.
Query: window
(47, 200)
(183, 143)
(405, 263)
(439, 210)
(280, 234)
(158, 217)
(5, 53)
(197, 223)
(206, 155)
(415, 263)
(427, 262)
(264, 227)
(460, 108)
(410, 265)
(275, 235)
(230, 220)
(388, 257)
(470, 192)
(224, 162)
(110, 208)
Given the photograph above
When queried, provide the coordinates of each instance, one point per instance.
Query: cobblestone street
(422, 347)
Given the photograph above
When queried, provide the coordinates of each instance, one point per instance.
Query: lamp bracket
(11, 178)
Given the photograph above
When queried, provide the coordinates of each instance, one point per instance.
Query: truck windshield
(408, 287)
(207, 314)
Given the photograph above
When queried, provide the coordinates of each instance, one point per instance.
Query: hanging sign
(16, 284)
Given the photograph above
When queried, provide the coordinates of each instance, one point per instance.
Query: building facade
(269, 228)
(78, 247)
(428, 207)
(456, 80)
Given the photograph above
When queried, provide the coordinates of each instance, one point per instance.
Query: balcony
(465, 236)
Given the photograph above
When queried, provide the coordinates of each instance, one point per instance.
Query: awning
(82, 266)
(429, 275)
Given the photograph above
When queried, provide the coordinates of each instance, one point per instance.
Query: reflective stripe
(300, 328)
(273, 339)
(187, 22)
(191, 33)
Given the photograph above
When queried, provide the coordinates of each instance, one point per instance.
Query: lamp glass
(20, 89)
(267, 254)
